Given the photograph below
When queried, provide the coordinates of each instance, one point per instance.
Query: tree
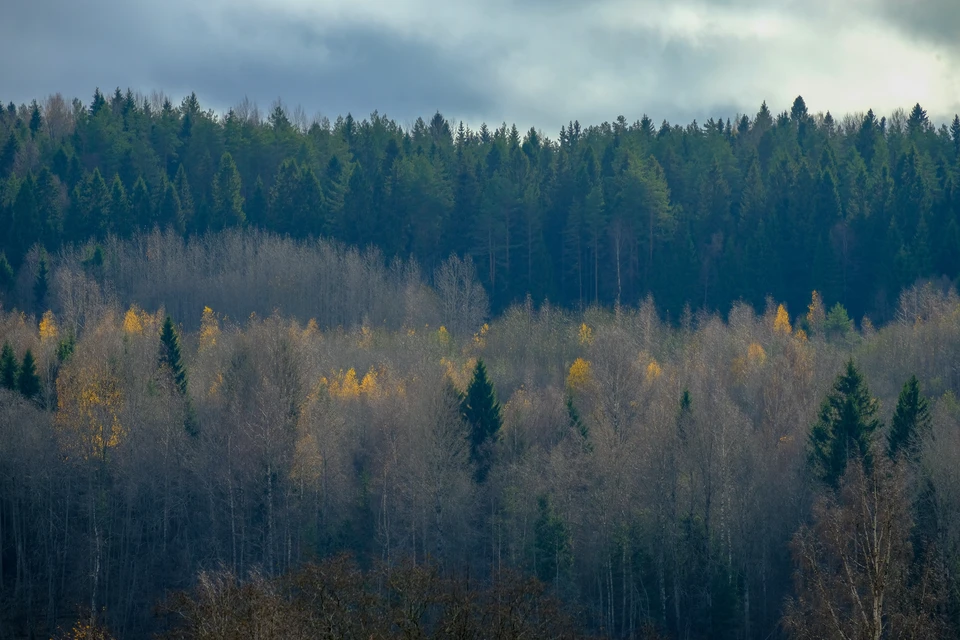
(857, 574)
(28, 382)
(182, 185)
(911, 420)
(845, 428)
(170, 355)
(141, 205)
(481, 411)
(553, 555)
(227, 210)
(40, 284)
(9, 369)
(6, 272)
(170, 215)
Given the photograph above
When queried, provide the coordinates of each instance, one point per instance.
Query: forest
(271, 378)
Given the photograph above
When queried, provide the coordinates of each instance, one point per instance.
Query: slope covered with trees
(769, 204)
(362, 380)
(689, 480)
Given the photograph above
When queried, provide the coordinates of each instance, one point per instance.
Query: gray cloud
(532, 62)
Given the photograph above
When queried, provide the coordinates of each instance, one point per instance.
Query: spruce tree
(481, 411)
(170, 355)
(845, 427)
(28, 382)
(40, 284)
(228, 200)
(554, 555)
(911, 419)
(8, 367)
(6, 272)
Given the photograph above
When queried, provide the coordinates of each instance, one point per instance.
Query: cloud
(534, 62)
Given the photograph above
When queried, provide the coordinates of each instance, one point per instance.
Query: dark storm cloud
(934, 21)
(534, 62)
(226, 56)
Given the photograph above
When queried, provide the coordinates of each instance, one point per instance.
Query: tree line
(713, 477)
(779, 204)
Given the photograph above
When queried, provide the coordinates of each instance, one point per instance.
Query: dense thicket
(774, 204)
(658, 478)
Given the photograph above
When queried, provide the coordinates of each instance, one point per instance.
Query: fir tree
(9, 369)
(28, 382)
(845, 427)
(911, 419)
(481, 411)
(170, 355)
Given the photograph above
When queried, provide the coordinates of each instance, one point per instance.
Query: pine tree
(845, 427)
(28, 382)
(170, 355)
(9, 369)
(481, 411)
(911, 419)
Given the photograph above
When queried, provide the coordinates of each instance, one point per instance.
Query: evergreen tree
(170, 355)
(227, 207)
(8, 156)
(185, 197)
(9, 369)
(845, 427)
(170, 216)
(6, 273)
(955, 135)
(141, 205)
(65, 347)
(26, 217)
(40, 284)
(553, 552)
(121, 220)
(257, 205)
(28, 382)
(481, 411)
(911, 419)
(36, 119)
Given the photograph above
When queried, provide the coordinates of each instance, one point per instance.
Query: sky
(540, 63)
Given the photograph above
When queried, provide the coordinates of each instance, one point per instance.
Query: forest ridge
(856, 208)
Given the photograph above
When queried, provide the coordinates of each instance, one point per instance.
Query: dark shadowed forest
(272, 378)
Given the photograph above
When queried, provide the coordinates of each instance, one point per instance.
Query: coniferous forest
(267, 378)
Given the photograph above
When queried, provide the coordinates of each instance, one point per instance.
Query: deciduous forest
(271, 377)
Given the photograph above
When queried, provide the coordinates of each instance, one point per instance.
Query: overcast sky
(534, 62)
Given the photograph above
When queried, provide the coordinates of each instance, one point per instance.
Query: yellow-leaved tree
(579, 377)
(816, 314)
(209, 329)
(585, 335)
(48, 327)
(89, 407)
(654, 371)
(781, 323)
